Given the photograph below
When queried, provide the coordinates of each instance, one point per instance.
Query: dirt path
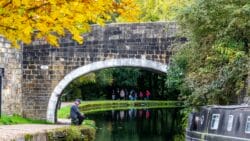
(10, 132)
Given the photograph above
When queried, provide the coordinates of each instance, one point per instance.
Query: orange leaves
(128, 9)
(19, 19)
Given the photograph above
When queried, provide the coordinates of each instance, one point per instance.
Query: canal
(163, 124)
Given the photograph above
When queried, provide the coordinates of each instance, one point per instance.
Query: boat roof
(231, 107)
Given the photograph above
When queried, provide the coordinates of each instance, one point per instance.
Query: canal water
(138, 125)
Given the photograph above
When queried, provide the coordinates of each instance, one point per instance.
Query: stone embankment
(41, 132)
(18, 132)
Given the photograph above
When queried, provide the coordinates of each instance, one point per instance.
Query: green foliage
(73, 90)
(212, 67)
(209, 21)
(16, 119)
(185, 113)
(28, 137)
(176, 73)
(183, 122)
(160, 10)
(219, 78)
(74, 133)
(179, 137)
(104, 77)
(126, 77)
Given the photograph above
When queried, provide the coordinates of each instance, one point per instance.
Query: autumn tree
(25, 20)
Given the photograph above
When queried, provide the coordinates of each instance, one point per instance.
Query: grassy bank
(16, 119)
(85, 132)
(98, 106)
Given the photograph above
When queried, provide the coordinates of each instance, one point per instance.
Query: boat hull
(199, 136)
(219, 123)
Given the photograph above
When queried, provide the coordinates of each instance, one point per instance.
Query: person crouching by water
(75, 115)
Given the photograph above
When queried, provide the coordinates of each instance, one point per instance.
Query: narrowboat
(219, 123)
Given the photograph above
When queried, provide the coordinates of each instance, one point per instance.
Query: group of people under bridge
(124, 94)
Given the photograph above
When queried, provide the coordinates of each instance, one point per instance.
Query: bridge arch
(138, 63)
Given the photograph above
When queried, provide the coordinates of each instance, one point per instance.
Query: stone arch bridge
(47, 70)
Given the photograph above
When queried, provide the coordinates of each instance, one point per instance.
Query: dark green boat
(219, 123)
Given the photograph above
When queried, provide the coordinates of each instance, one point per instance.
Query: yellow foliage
(161, 10)
(19, 19)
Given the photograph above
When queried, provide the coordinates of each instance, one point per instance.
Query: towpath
(11, 132)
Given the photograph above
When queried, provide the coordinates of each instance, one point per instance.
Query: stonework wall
(11, 60)
(44, 66)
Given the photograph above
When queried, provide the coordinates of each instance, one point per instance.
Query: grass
(74, 133)
(98, 106)
(16, 119)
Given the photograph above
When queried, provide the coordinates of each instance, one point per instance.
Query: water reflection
(137, 125)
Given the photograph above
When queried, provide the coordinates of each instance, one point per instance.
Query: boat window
(247, 130)
(202, 119)
(215, 121)
(230, 123)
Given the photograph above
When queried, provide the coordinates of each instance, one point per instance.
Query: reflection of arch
(139, 63)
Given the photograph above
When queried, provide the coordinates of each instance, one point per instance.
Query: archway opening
(108, 84)
(113, 88)
(134, 63)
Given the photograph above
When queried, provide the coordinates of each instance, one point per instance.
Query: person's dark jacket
(74, 112)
